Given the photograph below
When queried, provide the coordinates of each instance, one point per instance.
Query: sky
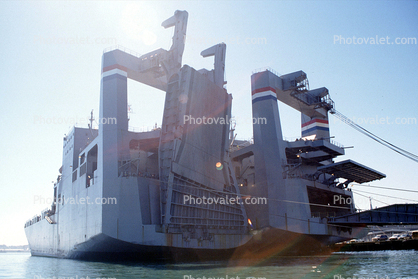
(51, 68)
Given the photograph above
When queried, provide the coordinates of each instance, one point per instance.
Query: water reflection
(391, 264)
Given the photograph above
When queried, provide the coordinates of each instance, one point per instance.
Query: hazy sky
(51, 63)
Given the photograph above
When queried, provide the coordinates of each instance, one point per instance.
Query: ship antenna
(91, 122)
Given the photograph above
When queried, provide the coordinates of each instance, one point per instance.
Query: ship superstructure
(303, 184)
(158, 194)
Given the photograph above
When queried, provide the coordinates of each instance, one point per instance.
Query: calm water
(382, 264)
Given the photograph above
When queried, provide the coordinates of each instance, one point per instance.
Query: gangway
(396, 214)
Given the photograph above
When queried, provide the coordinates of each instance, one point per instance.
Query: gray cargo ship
(190, 190)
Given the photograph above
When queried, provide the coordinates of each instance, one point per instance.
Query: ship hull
(264, 244)
(105, 248)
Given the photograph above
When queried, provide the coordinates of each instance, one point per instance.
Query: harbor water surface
(376, 265)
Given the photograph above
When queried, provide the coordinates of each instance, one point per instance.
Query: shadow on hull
(264, 245)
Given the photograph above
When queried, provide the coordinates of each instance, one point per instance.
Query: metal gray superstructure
(122, 193)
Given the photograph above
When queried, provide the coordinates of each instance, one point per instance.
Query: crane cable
(376, 138)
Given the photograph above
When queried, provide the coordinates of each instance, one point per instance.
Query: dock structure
(396, 214)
